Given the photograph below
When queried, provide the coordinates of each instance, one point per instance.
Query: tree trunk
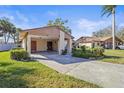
(4, 35)
(113, 29)
(8, 36)
(17, 39)
(13, 36)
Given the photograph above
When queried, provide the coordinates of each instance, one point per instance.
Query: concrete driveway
(100, 73)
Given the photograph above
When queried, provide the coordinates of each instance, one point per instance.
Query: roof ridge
(40, 27)
(47, 27)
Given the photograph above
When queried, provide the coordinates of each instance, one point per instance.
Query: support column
(70, 46)
(61, 42)
(29, 44)
(24, 43)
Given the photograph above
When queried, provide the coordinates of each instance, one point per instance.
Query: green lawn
(34, 74)
(114, 56)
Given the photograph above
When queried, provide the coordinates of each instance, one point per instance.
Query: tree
(121, 34)
(6, 29)
(108, 31)
(15, 35)
(110, 10)
(103, 32)
(61, 23)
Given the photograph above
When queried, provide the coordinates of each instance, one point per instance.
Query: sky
(82, 20)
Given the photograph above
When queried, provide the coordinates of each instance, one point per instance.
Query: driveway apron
(100, 73)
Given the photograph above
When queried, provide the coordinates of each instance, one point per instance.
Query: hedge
(19, 54)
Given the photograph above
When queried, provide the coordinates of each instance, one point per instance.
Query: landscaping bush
(17, 49)
(19, 54)
(83, 48)
(73, 50)
(88, 52)
(79, 53)
(98, 51)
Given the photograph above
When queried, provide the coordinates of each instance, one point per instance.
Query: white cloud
(22, 17)
(11, 17)
(52, 13)
(92, 25)
(23, 26)
(18, 19)
(85, 27)
(121, 25)
(88, 26)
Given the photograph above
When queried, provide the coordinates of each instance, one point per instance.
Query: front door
(49, 46)
(33, 46)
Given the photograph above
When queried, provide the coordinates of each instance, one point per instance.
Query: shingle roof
(27, 30)
(93, 39)
(87, 39)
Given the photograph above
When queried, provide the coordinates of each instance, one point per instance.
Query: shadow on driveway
(62, 59)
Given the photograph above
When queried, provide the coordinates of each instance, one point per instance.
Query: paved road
(100, 73)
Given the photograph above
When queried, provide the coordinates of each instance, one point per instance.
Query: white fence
(8, 46)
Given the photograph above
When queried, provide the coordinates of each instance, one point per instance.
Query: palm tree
(6, 28)
(15, 35)
(110, 10)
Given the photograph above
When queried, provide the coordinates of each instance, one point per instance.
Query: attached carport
(62, 39)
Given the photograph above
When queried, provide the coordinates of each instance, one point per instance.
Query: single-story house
(105, 42)
(49, 38)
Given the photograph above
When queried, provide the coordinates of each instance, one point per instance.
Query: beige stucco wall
(42, 44)
(86, 44)
(65, 43)
(70, 45)
(53, 34)
(55, 45)
(61, 42)
(24, 43)
(28, 44)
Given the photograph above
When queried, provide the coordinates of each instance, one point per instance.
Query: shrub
(73, 50)
(79, 53)
(76, 53)
(83, 48)
(98, 51)
(19, 54)
(17, 49)
(88, 52)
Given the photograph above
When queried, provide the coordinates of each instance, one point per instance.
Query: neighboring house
(105, 42)
(50, 38)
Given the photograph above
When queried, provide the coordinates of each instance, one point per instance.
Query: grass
(34, 74)
(114, 56)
